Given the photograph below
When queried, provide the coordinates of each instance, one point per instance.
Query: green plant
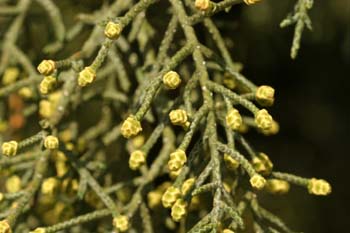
(179, 107)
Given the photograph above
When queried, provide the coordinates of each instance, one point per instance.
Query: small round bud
(195, 203)
(5, 227)
(61, 168)
(47, 84)
(250, 2)
(51, 142)
(138, 141)
(13, 184)
(274, 129)
(174, 174)
(263, 119)
(178, 210)
(46, 67)
(121, 223)
(227, 231)
(178, 117)
(265, 95)
(233, 119)
(319, 187)
(86, 76)
(49, 186)
(187, 185)
(55, 97)
(229, 81)
(171, 80)
(262, 164)
(10, 75)
(137, 158)
(154, 198)
(257, 181)
(244, 128)
(113, 30)
(9, 148)
(170, 195)
(177, 159)
(276, 186)
(25, 92)
(131, 127)
(38, 230)
(202, 5)
(230, 162)
(45, 109)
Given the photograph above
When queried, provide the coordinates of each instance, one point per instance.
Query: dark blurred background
(312, 104)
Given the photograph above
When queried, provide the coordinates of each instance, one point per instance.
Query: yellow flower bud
(113, 30)
(164, 186)
(45, 109)
(131, 127)
(276, 186)
(187, 185)
(10, 75)
(66, 135)
(1, 197)
(174, 174)
(154, 198)
(203, 5)
(137, 158)
(25, 92)
(274, 129)
(233, 119)
(47, 84)
(250, 2)
(229, 81)
(5, 227)
(265, 95)
(13, 184)
(170, 196)
(263, 119)
(177, 159)
(9, 148)
(171, 80)
(55, 97)
(61, 168)
(227, 231)
(38, 230)
(195, 203)
(319, 187)
(59, 156)
(230, 162)
(170, 224)
(121, 223)
(49, 186)
(138, 141)
(262, 164)
(46, 67)
(178, 210)
(257, 181)
(244, 128)
(51, 142)
(178, 117)
(86, 76)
